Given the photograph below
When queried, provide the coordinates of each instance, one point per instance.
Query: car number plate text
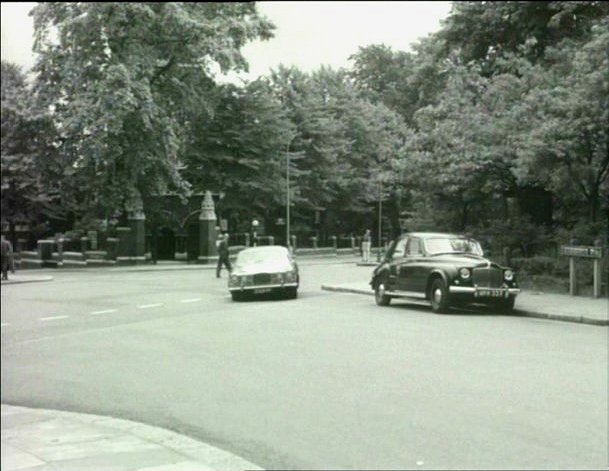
(490, 293)
(262, 290)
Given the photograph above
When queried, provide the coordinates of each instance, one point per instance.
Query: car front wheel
(379, 294)
(439, 296)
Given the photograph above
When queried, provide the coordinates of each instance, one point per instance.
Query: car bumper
(262, 288)
(483, 292)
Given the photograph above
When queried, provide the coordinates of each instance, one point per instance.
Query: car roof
(265, 248)
(427, 235)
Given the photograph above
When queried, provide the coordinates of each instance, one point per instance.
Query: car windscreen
(438, 245)
(249, 257)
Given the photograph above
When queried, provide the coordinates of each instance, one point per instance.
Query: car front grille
(262, 278)
(488, 277)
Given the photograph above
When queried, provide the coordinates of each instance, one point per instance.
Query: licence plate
(489, 293)
(262, 290)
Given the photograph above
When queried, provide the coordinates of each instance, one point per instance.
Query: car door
(412, 270)
(397, 257)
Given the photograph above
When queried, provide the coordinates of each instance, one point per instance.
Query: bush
(583, 233)
(536, 265)
(552, 274)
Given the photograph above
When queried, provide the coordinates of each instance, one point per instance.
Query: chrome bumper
(255, 287)
(476, 290)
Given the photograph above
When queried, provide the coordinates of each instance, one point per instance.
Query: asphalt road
(327, 381)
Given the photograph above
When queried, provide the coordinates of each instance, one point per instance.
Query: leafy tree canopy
(25, 152)
(122, 80)
(480, 30)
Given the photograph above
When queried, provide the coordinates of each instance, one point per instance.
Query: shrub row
(557, 267)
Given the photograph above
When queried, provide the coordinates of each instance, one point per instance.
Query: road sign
(595, 253)
(582, 251)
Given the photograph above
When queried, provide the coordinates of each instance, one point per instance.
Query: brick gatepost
(208, 252)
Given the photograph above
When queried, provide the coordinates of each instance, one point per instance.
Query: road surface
(327, 381)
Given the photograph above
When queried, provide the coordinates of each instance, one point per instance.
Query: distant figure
(223, 256)
(366, 243)
(7, 257)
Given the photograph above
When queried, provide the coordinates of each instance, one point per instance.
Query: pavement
(45, 440)
(51, 440)
(25, 277)
(557, 307)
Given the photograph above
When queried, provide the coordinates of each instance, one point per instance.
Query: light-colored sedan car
(264, 269)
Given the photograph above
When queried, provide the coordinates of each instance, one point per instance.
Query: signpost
(595, 253)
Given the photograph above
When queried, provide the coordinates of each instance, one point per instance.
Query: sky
(308, 34)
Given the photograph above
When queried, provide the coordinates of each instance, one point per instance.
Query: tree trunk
(464, 214)
(593, 205)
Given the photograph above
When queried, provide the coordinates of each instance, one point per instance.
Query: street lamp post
(254, 230)
(378, 254)
(287, 178)
(287, 196)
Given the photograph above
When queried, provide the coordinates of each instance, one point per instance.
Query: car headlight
(508, 275)
(276, 278)
(233, 280)
(290, 276)
(464, 273)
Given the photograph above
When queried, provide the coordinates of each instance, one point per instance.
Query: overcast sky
(308, 34)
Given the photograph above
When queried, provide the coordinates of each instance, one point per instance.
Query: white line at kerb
(149, 306)
(193, 300)
(106, 311)
(53, 318)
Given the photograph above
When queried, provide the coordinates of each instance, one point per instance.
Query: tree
(122, 80)
(402, 81)
(481, 31)
(571, 111)
(25, 145)
(342, 144)
(240, 150)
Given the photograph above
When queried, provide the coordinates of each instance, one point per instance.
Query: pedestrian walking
(6, 250)
(223, 255)
(366, 243)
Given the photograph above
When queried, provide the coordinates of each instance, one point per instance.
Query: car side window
(400, 247)
(414, 248)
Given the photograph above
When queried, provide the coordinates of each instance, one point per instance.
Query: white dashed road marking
(193, 300)
(149, 306)
(53, 318)
(106, 311)
(4, 325)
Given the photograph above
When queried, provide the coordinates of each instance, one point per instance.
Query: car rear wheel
(439, 296)
(379, 294)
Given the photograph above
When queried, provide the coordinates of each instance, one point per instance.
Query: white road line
(106, 311)
(4, 324)
(148, 306)
(53, 318)
(193, 300)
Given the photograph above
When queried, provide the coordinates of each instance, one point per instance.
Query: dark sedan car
(444, 270)
(264, 269)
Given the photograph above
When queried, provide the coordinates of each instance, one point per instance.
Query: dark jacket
(223, 248)
(6, 248)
